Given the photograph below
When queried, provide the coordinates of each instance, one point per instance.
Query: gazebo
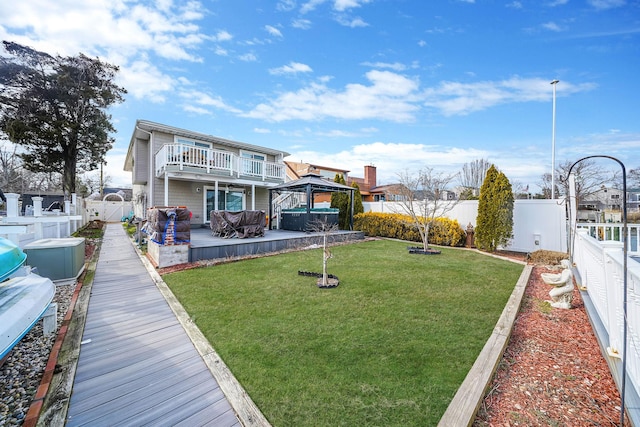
(311, 184)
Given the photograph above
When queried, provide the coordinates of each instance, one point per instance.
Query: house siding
(141, 162)
(262, 200)
(185, 186)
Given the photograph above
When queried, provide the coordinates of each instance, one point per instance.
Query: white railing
(216, 162)
(286, 200)
(613, 232)
(23, 230)
(600, 265)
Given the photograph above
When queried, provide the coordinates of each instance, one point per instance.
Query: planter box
(167, 255)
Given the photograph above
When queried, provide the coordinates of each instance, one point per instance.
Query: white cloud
(198, 98)
(552, 26)
(291, 68)
(339, 5)
(453, 98)
(606, 4)
(390, 158)
(396, 66)
(220, 51)
(99, 28)
(248, 57)
(302, 24)
(261, 130)
(273, 31)
(349, 22)
(197, 110)
(394, 97)
(310, 5)
(145, 81)
(286, 5)
(342, 5)
(222, 36)
(120, 33)
(389, 96)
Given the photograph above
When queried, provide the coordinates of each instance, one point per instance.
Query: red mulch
(552, 372)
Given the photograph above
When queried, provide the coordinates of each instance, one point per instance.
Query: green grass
(389, 346)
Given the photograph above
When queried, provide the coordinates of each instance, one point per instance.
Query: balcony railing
(180, 157)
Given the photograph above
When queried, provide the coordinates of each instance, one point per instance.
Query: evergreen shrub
(444, 231)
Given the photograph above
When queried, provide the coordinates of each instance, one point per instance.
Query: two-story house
(177, 167)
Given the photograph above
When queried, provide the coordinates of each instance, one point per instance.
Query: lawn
(389, 346)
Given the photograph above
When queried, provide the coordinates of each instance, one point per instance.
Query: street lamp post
(553, 143)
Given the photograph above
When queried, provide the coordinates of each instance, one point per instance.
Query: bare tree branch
(425, 197)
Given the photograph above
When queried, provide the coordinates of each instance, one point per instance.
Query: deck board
(137, 365)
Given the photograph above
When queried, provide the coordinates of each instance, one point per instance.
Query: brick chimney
(370, 176)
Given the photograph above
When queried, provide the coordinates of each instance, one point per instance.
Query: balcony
(172, 158)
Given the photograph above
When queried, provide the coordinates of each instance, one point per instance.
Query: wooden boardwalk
(137, 365)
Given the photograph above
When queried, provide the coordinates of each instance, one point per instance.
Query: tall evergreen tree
(494, 224)
(55, 107)
(358, 207)
(340, 200)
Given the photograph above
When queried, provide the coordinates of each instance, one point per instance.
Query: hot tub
(299, 220)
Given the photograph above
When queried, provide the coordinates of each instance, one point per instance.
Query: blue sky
(400, 84)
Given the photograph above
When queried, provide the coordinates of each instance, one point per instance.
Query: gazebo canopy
(309, 184)
(315, 182)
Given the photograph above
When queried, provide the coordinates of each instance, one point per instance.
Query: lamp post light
(553, 142)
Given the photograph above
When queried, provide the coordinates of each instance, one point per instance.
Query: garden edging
(464, 405)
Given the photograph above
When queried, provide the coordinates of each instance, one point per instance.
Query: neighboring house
(126, 193)
(633, 200)
(176, 167)
(369, 189)
(296, 170)
(602, 205)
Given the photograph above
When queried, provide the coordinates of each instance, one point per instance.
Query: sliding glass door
(228, 200)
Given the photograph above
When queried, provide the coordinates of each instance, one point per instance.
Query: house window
(184, 141)
(615, 196)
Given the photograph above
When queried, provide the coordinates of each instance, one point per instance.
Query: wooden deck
(137, 365)
(205, 246)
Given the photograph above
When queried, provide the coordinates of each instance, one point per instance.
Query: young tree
(589, 175)
(633, 176)
(55, 107)
(425, 198)
(494, 224)
(10, 170)
(472, 176)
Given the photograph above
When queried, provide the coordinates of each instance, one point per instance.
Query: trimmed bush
(443, 231)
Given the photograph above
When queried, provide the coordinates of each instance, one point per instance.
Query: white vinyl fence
(537, 224)
(40, 224)
(600, 267)
(106, 210)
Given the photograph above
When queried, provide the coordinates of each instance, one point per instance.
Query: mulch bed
(552, 372)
